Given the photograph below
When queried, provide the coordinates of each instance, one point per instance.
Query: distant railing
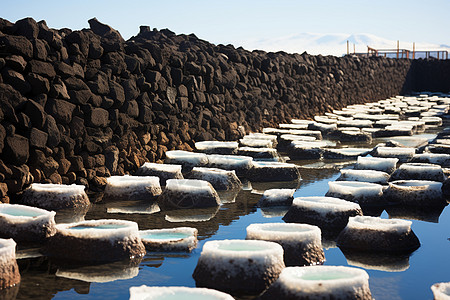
(402, 53)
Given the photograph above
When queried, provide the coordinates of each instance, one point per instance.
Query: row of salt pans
(244, 166)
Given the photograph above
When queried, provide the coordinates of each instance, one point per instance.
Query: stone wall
(79, 106)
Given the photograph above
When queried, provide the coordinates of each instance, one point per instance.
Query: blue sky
(233, 21)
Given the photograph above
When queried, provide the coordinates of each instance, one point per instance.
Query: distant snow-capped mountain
(332, 44)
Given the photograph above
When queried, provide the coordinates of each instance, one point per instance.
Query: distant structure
(400, 53)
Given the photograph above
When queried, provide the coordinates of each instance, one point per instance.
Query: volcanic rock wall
(79, 106)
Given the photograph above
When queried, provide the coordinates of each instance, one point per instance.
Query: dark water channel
(401, 277)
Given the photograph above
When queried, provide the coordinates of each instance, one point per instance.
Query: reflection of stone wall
(77, 106)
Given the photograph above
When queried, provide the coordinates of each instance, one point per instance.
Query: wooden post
(414, 50)
(348, 52)
(354, 49)
(398, 47)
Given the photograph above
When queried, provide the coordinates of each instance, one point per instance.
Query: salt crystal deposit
(433, 158)
(345, 153)
(163, 171)
(175, 292)
(418, 171)
(301, 242)
(188, 193)
(441, 291)
(217, 147)
(277, 197)
(330, 214)
(263, 154)
(180, 239)
(415, 193)
(387, 165)
(132, 188)
(273, 171)
(219, 179)
(55, 196)
(257, 143)
(364, 193)
(371, 176)
(240, 164)
(187, 159)
(320, 282)
(239, 266)
(374, 234)
(96, 241)
(25, 223)
(9, 275)
(350, 136)
(403, 154)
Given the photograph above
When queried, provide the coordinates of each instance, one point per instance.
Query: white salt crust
(298, 121)
(293, 126)
(260, 143)
(384, 164)
(433, 158)
(176, 292)
(208, 145)
(107, 229)
(408, 141)
(192, 186)
(294, 137)
(395, 151)
(175, 169)
(132, 185)
(215, 175)
(262, 253)
(285, 232)
(324, 205)
(375, 223)
(272, 151)
(183, 238)
(230, 161)
(355, 188)
(277, 195)
(417, 185)
(350, 151)
(322, 280)
(314, 133)
(307, 144)
(355, 123)
(22, 214)
(273, 164)
(58, 189)
(324, 119)
(425, 170)
(186, 156)
(260, 136)
(441, 291)
(364, 176)
(7, 251)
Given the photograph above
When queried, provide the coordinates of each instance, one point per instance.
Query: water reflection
(9, 293)
(378, 261)
(427, 214)
(274, 211)
(101, 273)
(71, 215)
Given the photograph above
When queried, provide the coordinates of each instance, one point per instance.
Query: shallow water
(391, 277)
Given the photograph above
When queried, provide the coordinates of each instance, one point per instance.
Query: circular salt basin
(403, 154)
(345, 153)
(273, 171)
(217, 147)
(277, 197)
(187, 159)
(387, 165)
(320, 282)
(163, 171)
(415, 192)
(240, 164)
(371, 176)
(55, 196)
(175, 292)
(25, 223)
(259, 153)
(301, 242)
(328, 213)
(239, 266)
(418, 171)
(96, 241)
(9, 275)
(257, 143)
(441, 291)
(364, 193)
(219, 179)
(373, 234)
(188, 193)
(132, 188)
(441, 159)
(174, 239)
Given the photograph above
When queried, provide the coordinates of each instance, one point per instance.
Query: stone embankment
(79, 106)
